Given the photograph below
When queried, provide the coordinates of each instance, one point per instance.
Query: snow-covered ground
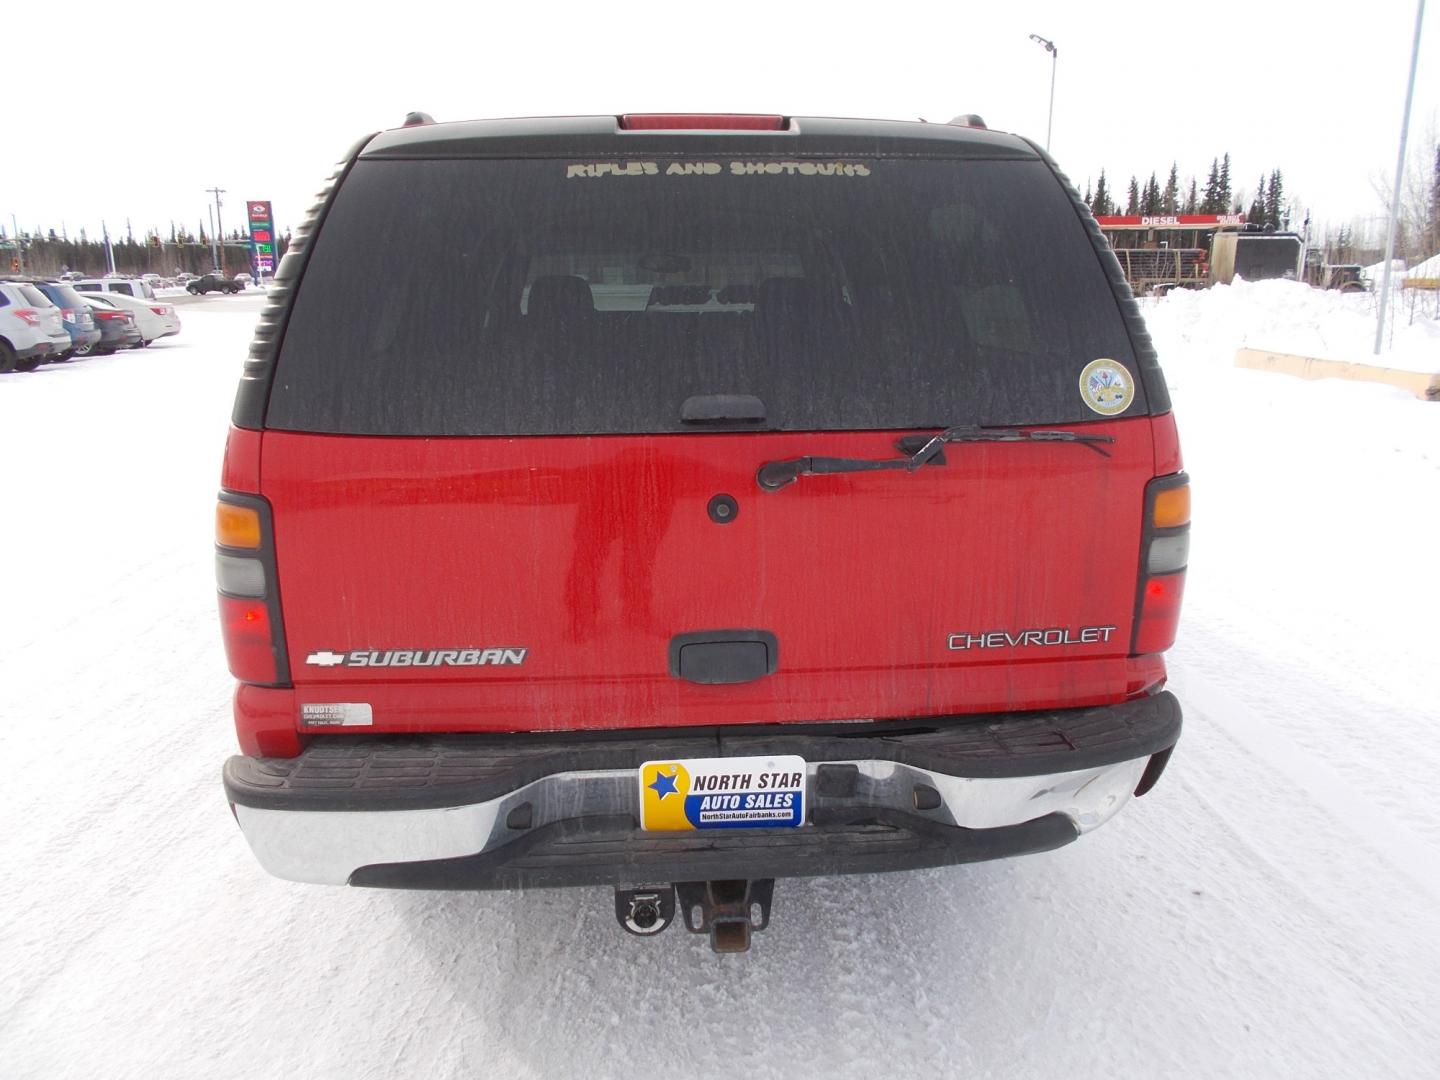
(1283, 316)
(1269, 910)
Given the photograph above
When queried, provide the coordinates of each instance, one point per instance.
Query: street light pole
(1399, 176)
(220, 240)
(1049, 47)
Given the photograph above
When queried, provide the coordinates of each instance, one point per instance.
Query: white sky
(1312, 87)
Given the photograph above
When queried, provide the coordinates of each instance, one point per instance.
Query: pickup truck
(212, 283)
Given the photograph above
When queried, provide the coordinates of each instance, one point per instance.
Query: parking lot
(1268, 910)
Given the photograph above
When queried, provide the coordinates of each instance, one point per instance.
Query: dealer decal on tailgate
(722, 793)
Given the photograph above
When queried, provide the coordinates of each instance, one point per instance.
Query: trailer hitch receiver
(726, 910)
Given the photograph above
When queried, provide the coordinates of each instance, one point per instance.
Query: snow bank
(1375, 271)
(1430, 268)
(1288, 317)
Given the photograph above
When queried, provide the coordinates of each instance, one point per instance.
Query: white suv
(32, 329)
(135, 287)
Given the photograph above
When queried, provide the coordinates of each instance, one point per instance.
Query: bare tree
(1415, 239)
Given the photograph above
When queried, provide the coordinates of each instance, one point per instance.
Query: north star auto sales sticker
(722, 793)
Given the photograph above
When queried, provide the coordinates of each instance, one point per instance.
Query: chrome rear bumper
(329, 846)
(489, 812)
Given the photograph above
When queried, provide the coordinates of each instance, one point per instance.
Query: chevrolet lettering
(1055, 635)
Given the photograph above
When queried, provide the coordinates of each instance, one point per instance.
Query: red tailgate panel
(591, 553)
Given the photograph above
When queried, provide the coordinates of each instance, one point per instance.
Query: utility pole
(220, 224)
(1399, 176)
(109, 251)
(1049, 47)
(214, 255)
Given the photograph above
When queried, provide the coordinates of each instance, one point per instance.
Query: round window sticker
(1106, 387)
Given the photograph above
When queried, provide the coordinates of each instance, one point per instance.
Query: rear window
(580, 297)
(65, 296)
(34, 296)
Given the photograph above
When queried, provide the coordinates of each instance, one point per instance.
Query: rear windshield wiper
(919, 449)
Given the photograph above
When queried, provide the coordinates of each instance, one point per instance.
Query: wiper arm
(774, 475)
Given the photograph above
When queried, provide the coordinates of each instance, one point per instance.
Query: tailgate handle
(720, 657)
(722, 408)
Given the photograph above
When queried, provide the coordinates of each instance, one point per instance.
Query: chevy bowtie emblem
(325, 658)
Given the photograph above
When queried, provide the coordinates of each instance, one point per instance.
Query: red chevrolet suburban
(683, 502)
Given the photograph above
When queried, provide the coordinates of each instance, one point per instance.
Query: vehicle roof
(553, 136)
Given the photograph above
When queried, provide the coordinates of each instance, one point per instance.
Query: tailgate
(528, 584)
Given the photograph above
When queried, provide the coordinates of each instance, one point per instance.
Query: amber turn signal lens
(236, 526)
(1172, 507)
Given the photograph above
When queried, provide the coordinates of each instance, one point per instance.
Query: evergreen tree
(1101, 204)
(1434, 209)
(1192, 201)
(1342, 246)
(1256, 215)
(1132, 206)
(1275, 201)
(1212, 203)
(1089, 198)
(1170, 199)
(1223, 195)
(1150, 199)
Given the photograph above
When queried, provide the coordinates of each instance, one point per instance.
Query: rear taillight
(158, 310)
(110, 316)
(245, 578)
(1164, 555)
(28, 315)
(68, 314)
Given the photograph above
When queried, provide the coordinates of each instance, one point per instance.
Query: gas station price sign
(262, 235)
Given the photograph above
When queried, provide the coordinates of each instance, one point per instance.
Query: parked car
(245, 280)
(123, 286)
(52, 317)
(155, 318)
(118, 329)
(873, 571)
(79, 322)
(30, 326)
(208, 283)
